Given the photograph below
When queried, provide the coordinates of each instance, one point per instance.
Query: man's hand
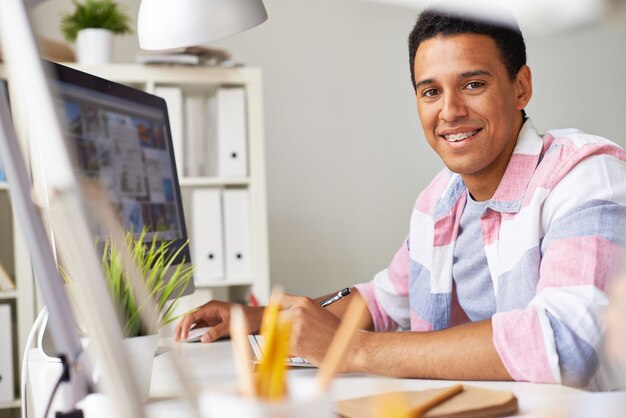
(313, 327)
(216, 315)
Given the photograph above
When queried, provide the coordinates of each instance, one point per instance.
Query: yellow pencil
(271, 376)
(277, 384)
(268, 330)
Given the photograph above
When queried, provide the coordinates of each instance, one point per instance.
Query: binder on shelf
(194, 135)
(6, 359)
(207, 250)
(5, 280)
(231, 132)
(237, 240)
(174, 99)
(211, 132)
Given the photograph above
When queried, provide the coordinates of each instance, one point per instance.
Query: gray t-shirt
(470, 271)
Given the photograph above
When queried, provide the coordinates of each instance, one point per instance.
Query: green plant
(154, 260)
(103, 14)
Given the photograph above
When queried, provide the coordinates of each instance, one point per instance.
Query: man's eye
(430, 93)
(474, 85)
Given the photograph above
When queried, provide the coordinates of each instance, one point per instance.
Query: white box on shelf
(237, 234)
(231, 132)
(207, 248)
(174, 98)
(6, 359)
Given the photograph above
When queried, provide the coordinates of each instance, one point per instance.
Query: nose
(453, 107)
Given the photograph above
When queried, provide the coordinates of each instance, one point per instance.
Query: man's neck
(482, 189)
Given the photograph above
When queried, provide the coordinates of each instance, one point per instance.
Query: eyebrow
(466, 74)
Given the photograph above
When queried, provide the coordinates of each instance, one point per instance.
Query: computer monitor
(122, 138)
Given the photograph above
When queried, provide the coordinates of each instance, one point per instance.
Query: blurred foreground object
(52, 50)
(535, 17)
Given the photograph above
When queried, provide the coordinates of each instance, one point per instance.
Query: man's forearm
(464, 352)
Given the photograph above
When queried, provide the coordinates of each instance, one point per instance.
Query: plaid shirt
(553, 235)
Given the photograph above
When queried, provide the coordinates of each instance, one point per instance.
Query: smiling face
(469, 107)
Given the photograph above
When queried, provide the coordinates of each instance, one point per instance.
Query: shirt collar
(523, 163)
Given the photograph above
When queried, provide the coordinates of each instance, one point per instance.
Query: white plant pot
(94, 46)
(140, 353)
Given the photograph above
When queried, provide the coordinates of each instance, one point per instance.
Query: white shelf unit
(15, 259)
(14, 254)
(189, 79)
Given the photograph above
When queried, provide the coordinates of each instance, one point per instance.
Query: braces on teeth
(459, 137)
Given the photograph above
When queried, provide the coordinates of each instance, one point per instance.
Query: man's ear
(523, 86)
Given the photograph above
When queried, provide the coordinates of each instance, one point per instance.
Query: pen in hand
(335, 297)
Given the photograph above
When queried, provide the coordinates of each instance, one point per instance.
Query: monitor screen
(121, 138)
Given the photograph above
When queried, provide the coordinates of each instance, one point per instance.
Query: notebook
(258, 342)
(473, 402)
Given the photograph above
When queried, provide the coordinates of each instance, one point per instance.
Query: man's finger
(215, 332)
(186, 324)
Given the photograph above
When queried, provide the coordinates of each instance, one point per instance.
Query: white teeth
(459, 137)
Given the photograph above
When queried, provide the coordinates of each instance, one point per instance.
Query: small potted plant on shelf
(164, 283)
(92, 26)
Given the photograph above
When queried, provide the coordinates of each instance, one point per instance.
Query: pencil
(241, 348)
(339, 346)
(268, 330)
(277, 384)
(421, 409)
(272, 370)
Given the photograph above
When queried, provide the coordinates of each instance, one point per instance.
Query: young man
(510, 248)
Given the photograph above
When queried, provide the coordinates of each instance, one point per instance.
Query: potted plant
(164, 282)
(92, 26)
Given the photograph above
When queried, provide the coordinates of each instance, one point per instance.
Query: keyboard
(258, 342)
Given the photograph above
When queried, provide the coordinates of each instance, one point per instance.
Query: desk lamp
(167, 24)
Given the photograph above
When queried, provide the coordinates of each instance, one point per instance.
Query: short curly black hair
(437, 21)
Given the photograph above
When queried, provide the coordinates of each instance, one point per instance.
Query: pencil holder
(227, 405)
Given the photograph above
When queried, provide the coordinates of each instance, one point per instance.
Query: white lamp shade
(167, 24)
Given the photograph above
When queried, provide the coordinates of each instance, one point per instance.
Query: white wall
(345, 154)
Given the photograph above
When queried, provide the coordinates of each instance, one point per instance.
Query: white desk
(210, 366)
